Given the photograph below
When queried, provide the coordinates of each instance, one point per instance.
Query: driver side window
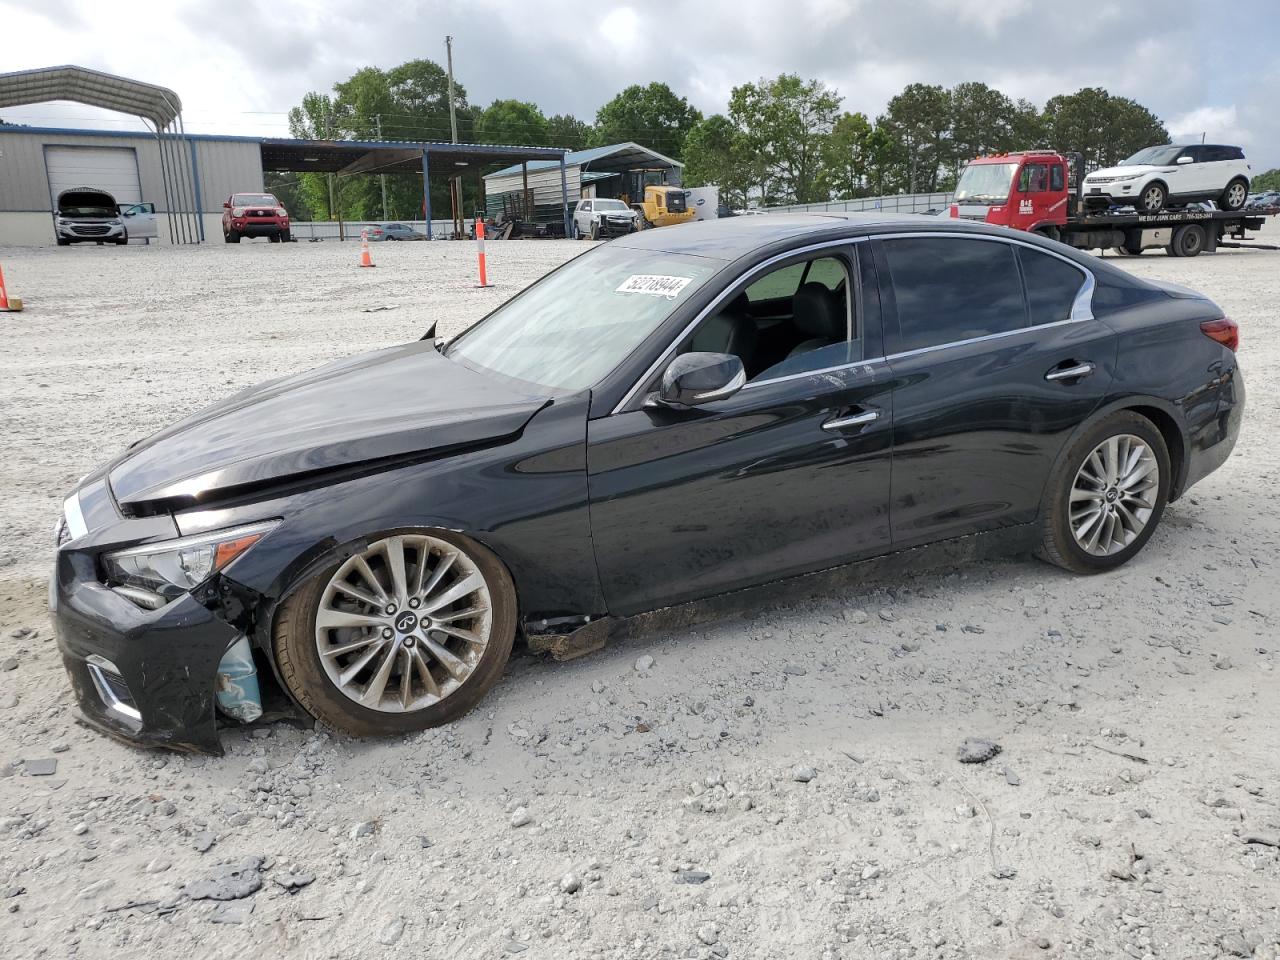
(792, 319)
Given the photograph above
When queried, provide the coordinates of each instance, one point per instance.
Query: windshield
(611, 205)
(79, 210)
(985, 183)
(253, 200)
(1153, 156)
(573, 327)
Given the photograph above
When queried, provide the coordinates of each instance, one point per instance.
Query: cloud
(239, 65)
(1212, 123)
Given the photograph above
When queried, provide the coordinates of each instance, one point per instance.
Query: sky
(1203, 67)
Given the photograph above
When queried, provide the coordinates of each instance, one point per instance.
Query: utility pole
(382, 176)
(455, 182)
(453, 116)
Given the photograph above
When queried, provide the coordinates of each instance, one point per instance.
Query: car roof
(729, 238)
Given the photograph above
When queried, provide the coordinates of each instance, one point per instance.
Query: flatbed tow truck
(1038, 191)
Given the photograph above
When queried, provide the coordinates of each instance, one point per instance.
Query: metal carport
(157, 106)
(350, 157)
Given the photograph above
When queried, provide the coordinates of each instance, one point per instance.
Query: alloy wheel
(1236, 195)
(403, 624)
(1114, 494)
(1153, 199)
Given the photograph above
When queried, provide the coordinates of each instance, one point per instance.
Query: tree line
(780, 140)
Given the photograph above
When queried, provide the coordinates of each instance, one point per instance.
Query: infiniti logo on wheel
(406, 622)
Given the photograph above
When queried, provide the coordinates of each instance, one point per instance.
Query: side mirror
(693, 379)
(226, 204)
(1183, 159)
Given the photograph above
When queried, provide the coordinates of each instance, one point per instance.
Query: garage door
(113, 169)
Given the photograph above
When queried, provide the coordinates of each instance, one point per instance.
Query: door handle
(1070, 373)
(853, 420)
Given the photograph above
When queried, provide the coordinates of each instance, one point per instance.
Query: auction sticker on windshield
(654, 285)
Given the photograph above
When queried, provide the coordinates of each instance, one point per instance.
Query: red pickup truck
(254, 215)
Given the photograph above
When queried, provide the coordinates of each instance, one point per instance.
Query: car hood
(395, 402)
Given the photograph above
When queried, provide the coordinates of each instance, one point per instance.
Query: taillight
(955, 211)
(1226, 331)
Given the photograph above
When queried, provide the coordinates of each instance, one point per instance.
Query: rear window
(1052, 286)
(950, 289)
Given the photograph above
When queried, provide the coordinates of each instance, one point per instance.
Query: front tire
(1106, 495)
(286, 237)
(1154, 197)
(231, 236)
(443, 645)
(595, 231)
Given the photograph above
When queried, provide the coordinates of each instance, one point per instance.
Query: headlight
(1128, 176)
(237, 211)
(154, 574)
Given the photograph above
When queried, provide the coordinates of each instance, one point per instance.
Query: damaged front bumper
(148, 676)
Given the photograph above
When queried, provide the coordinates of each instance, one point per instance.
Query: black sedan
(670, 416)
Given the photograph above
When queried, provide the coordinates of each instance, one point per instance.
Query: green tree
(408, 102)
(785, 123)
(567, 131)
(715, 154)
(1105, 129)
(1029, 131)
(652, 115)
(846, 156)
(982, 122)
(920, 120)
(513, 122)
(1266, 181)
(886, 163)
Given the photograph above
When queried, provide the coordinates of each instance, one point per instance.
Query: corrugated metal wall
(225, 167)
(543, 184)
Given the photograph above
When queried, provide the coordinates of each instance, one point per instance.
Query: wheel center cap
(406, 622)
(1112, 495)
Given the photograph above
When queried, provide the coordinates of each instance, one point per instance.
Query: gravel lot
(780, 784)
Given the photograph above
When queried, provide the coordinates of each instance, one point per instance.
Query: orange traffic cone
(365, 259)
(7, 305)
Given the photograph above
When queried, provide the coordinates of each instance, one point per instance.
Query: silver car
(88, 215)
(595, 218)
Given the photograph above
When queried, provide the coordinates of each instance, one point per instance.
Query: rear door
(995, 359)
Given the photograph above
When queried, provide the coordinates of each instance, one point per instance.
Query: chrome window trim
(714, 304)
(1081, 308)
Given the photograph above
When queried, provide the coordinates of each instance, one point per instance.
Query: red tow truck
(1038, 191)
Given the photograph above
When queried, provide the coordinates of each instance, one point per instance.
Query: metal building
(38, 163)
(187, 177)
(618, 170)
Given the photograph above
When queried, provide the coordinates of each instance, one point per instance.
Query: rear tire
(1061, 517)
(1235, 196)
(1188, 241)
(1153, 199)
(297, 648)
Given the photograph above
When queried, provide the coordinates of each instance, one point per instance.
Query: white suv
(1171, 175)
(596, 218)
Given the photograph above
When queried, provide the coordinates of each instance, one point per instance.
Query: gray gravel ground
(782, 784)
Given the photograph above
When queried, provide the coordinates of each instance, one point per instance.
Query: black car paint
(598, 513)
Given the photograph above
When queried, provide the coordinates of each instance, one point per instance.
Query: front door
(991, 375)
(139, 220)
(790, 474)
